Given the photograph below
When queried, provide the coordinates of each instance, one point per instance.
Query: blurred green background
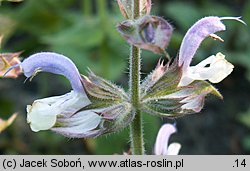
(84, 30)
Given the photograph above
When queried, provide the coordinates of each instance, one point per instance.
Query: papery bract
(8, 60)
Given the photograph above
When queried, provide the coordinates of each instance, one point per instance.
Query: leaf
(84, 34)
(42, 17)
(88, 45)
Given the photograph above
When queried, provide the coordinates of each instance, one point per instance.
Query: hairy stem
(136, 128)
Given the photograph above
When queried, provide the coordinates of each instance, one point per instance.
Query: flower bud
(148, 32)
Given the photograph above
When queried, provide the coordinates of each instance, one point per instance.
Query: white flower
(213, 68)
(43, 113)
(161, 144)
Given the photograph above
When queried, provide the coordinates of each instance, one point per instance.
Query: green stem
(136, 127)
(86, 6)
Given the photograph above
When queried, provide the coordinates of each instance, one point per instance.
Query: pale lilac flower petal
(161, 144)
(53, 63)
(194, 103)
(174, 148)
(195, 35)
(43, 113)
(81, 124)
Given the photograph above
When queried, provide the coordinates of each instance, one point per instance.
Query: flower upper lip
(195, 35)
(54, 63)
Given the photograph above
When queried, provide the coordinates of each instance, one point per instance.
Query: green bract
(163, 97)
(114, 102)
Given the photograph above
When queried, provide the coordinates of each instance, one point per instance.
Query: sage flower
(161, 144)
(176, 89)
(219, 68)
(72, 114)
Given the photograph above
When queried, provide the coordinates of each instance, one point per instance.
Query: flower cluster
(177, 88)
(83, 112)
(96, 106)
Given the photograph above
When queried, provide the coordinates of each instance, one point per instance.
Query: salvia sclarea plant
(96, 106)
